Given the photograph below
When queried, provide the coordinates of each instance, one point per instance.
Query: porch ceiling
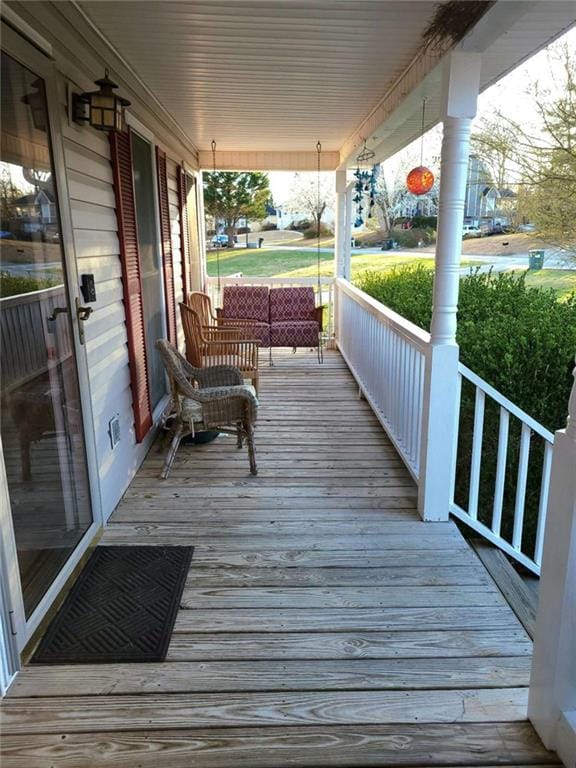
(266, 76)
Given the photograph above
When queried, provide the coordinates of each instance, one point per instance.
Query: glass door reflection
(41, 419)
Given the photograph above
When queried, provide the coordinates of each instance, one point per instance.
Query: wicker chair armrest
(210, 394)
(219, 376)
(227, 405)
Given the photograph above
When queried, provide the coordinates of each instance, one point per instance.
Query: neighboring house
(34, 213)
(285, 218)
(410, 205)
(486, 205)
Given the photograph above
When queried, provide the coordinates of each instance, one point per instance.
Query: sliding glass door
(41, 423)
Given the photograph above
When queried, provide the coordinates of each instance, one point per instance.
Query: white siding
(92, 203)
(97, 250)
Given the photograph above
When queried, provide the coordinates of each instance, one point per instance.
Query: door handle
(57, 311)
(83, 313)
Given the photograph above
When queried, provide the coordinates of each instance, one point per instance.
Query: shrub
(409, 238)
(521, 341)
(300, 226)
(268, 227)
(311, 232)
(13, 285)
(425, 222)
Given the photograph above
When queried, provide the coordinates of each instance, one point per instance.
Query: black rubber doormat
(121, 609)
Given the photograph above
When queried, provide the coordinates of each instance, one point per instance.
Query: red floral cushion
(292, 304)
(246, 302)
(294, 333)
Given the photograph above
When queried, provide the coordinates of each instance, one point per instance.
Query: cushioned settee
(278, 317)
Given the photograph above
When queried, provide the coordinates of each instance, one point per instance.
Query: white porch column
(339, 222)
(438, 446)
(201, 224)
(552, 702)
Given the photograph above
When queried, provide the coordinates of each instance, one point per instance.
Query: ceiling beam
(268, 161)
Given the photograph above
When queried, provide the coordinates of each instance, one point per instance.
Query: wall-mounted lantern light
(102, 109)
(37, 102)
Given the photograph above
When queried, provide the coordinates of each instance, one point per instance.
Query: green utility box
(535, 259)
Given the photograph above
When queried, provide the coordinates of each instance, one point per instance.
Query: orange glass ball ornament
(420, 180)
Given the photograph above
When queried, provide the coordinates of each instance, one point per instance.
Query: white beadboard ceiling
(266, 76)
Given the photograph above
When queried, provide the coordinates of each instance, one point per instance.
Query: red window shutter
(184, 230)
(165, 236)
(121, 144)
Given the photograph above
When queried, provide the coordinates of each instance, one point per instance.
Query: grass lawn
(563, 281)
(254, 262)
(265, 262)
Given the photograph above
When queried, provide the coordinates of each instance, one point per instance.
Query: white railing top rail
(505, 403)
(411, 332)
(31, 296)
(235, 280)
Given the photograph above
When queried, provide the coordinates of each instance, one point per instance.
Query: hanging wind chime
(420, 180)
(213, 145)
(365, 186)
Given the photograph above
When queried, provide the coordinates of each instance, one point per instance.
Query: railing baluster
(543, 505)
(503, 431)
(476, 462)
(454, 457)
(520, 503)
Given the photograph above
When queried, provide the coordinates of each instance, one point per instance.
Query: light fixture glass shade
(105, 109)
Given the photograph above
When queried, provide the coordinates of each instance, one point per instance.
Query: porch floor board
(322, 623)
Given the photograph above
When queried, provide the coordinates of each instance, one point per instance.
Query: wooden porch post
(340, 223)
(439, 428)
(552, 702)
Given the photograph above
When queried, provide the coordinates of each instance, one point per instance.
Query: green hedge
(14, 285)
(521, 341)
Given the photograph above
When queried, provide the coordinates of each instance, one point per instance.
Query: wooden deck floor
(322, 624)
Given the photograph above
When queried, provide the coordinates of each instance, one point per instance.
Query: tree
(539, 161)
(230, 196)
(549, 162)
(495, 143)
(303, 196)
(392, 198)
(9, 192)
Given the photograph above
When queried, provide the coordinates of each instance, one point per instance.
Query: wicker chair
(214, 345)
(219, 401)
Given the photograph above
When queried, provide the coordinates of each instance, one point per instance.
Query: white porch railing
(387, 355)
(530, 555)
(326, 297)
(24, 332)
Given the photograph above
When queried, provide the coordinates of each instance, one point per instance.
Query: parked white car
(471, 230)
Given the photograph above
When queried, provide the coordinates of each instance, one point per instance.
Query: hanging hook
(318, 203)
(422, 131)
